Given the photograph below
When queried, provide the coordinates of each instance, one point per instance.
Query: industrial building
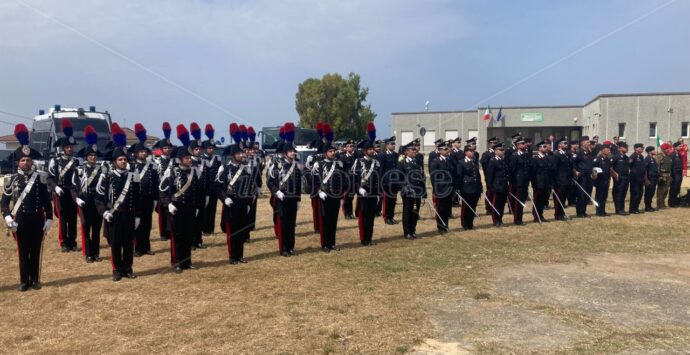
(635, 118)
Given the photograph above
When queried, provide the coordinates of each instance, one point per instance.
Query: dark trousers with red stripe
(287, 219)
(237, 227)
(182, 237)
(541, 197)
(91, 230)
(329, 220)
(466, 215)
(561, 194)
(163, 221)
(521, 193)
(67, 213)
(122, 241)
(498, 199)
(389, 205)
(316, 213)
(489, 195)
(29, 238)
(410, 214)
(347, 204)
(366, 217)
(142, 234)
(209, 215)
(443, 206)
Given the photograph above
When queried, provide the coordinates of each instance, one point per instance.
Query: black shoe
(650, 209)
(97, 259)
(192, 267)
(408, 236)
(232, 262)
(635, 212)
(442, 231)
(150, 253)
(137, 254)
(117, 276)
(394, 221)
(414, 235)
(165, 239)
(371, 243)
(130, 275)
(293, 252)
(36, 285)
(519, 223)
(389, 222)
(74, 248)
(335, 248)
(23, 287)
(498, 224)
(326, 249)
(378, 214)
(89, 260)
(242, 261)
(284, 253)
(200, 246)
(178, 269)
(247, 240)
(65, 249)
(622, 213)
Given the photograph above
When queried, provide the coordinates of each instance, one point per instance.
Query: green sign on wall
(532, 117)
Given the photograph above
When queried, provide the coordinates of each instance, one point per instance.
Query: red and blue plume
(371, 130)
(140, 132)
(235, 132)
(66, 127)
(243, 131)
(195, 130)
(22, 134)
(328, 132)
(166, 130)
(251, 134)
(281, 133)
(119, 137)
(90, 135)
(319, 129)
(183, 134)
(289, 132)
(209, 131)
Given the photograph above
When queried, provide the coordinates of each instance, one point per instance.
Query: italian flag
(658, 141)
(487, 113)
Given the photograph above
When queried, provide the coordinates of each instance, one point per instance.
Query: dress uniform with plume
(117, 200)
(180, 192)
(332, 186)
(149, 182)
(285, 184)
(233, 184)
(164, 164)
(27, 210)
(89, 175)
(256, 165)
(63, 181)
(366, 172)
(212, 163)
(199, 169)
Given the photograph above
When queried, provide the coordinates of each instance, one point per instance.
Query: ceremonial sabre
(595, 203)
(534, 208)
(436, 213)
(560, 203)
(517, 199)
(491, 204)
(467, 204)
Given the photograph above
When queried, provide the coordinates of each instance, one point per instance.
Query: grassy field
(360, 300)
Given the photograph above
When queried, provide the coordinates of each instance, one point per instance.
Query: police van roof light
(92, 108)
(41, 112)
(57, 107)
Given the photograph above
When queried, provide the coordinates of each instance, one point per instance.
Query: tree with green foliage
(338, 101)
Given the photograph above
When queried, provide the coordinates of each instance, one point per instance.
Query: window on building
(684, 132)
(473, 133)
(652, 129)
(429, 138)
(621, 130)
(451, 135)
(406, 137)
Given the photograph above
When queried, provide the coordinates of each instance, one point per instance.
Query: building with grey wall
(636, 118)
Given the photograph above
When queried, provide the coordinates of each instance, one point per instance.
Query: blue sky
(222, 61)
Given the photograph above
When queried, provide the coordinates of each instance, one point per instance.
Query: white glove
(322, 195)
(362, 191)
(81, 202)
(207, 200)
(58, 191)
(108, 216)
(47, 224)
(172, 209)
(9, 221)
(298, 204)
(280, 195)
(155, 203)
(228, 201)
(137, 221)
(196, 213)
